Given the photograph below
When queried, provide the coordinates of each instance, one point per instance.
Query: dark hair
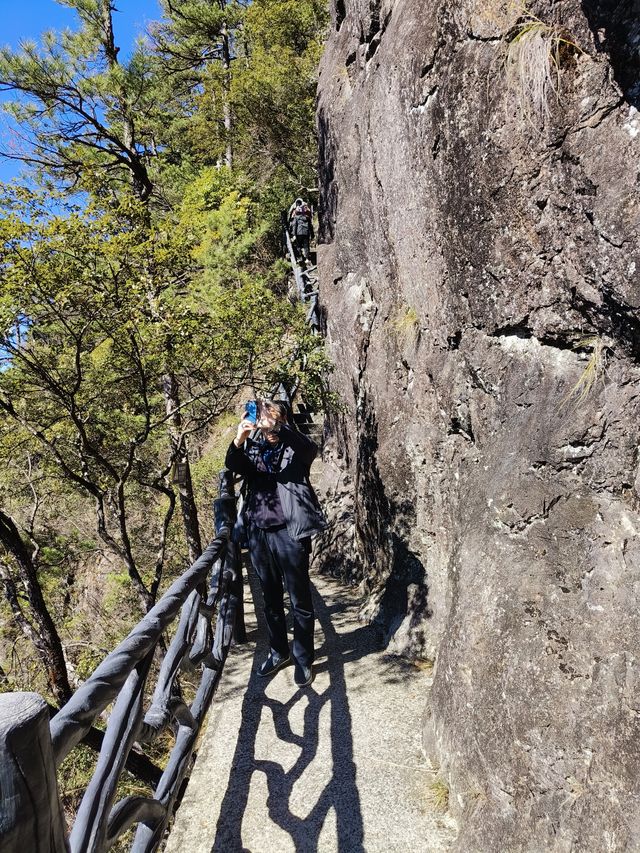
(283, 409)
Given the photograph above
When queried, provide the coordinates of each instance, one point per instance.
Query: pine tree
(87, 120)
(139, 284)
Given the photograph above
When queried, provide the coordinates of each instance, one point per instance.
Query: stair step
(312, 430)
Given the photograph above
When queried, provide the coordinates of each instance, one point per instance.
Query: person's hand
(245, 428)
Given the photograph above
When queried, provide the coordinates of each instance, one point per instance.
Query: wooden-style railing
(305, 285)
(31, 747)
(208, 597)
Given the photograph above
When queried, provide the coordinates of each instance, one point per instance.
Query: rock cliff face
(480, 273)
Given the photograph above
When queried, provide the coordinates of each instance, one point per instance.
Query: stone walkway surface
(336, 766)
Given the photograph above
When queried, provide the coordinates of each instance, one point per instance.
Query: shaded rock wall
(476, 268)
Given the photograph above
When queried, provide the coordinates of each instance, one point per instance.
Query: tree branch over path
(76, 100)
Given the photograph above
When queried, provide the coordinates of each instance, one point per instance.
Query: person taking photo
(281, 513)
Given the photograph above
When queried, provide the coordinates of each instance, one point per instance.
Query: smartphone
(251, 411)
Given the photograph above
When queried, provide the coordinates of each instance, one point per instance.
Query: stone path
(336, 766)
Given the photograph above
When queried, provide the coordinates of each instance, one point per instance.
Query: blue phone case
(252, 411)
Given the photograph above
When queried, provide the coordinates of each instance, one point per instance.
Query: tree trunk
(142, 187)
(188, 506)
(108, 40)
(139, 175)
(42, 631)
(226, 85)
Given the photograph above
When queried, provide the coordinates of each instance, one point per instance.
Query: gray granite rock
(478, 268)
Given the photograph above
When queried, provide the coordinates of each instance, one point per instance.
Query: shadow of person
(340, 793)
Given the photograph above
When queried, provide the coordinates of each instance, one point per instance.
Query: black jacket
(300, 505)
(301, 223)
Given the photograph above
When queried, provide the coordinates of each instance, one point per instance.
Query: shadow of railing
(340, 793)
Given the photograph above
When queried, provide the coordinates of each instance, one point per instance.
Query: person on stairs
(282, 513)
(301, 227)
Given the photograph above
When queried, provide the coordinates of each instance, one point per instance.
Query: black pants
(302, 243)
(276, 557)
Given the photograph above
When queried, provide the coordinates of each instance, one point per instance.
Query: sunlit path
(336, 766)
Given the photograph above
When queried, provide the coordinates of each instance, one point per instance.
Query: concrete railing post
(31, 816)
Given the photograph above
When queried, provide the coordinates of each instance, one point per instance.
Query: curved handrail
(74, 719)
(122, 676)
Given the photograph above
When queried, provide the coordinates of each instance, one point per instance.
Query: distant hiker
(301, 226)
(282, 514)
(297, 203)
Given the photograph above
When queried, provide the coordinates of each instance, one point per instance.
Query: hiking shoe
(272, 664)
(302, 675)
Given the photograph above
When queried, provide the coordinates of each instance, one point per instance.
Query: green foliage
(273, 95)
(109, 301)
(269, 90)
(159, 263)
(196, 26)
(438, 795)
(74, 775)
(205, 469)
(223, 227)
(83, 359)
(74, 105)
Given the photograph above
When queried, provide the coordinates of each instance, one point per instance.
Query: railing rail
(71, 723)
(303, 280)
(33, 746)
(122, 676)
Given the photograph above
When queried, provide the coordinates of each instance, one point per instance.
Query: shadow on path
(341, 792)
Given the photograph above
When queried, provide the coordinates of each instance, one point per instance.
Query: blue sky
(26, 19)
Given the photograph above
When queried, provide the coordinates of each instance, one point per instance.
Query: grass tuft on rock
(438, 795)
(532, 65)
(593, 373)
(406, 323)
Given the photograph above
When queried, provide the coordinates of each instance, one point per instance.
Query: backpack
(301, 221)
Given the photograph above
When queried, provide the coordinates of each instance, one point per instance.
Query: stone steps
(309, 422)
